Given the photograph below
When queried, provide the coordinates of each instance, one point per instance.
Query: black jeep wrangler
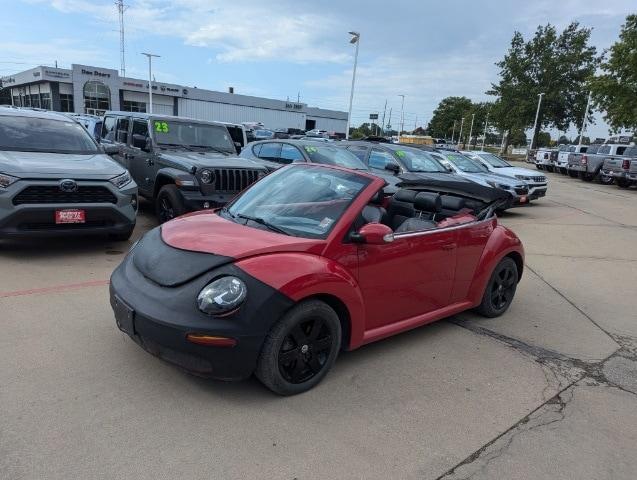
(179, 163)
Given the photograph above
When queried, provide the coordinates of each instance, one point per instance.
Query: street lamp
(460, 136)
(581, 132)
(537, 113)
(473, 116)
(484, 137)
(453, 132)
(150, 80)
(354, 40)
(402, 115)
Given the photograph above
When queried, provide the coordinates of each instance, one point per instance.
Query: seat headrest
(404, 195)
(428, 202)
(453, 203)
(378, 198)
(372, 214)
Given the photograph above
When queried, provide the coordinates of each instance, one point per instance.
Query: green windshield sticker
(309, 149)
(400, 153)
(161, 127)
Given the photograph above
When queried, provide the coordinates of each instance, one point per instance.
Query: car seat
(426, 206)
(451, 205)
(400, 207)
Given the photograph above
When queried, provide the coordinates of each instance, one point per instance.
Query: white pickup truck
(561, 164)
(545, 159)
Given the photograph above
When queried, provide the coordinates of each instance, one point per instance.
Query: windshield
(465, 164)
(494, 160)
(418, 161)
(28, 134)
(261, 133)
(191, 134)
(330, 155)
(303, 201)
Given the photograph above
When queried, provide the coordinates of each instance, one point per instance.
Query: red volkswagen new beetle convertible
(310, 260)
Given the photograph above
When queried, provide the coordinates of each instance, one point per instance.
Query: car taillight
(625, 164)
(584, 160)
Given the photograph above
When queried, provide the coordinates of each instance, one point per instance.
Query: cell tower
(122, 56)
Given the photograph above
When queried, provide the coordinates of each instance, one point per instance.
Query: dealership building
(93, 90)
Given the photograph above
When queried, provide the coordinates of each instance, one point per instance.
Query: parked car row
(62, 174)
(606, 163)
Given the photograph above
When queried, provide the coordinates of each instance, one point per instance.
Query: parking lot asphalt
(549, 390)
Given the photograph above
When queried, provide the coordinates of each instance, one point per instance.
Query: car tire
(538, 166)
(572, 174)
(549, 168)
(168, 204)
(622, 183)
(605, 179)
(122, 237)
(500, 289)
(300, 348)
(587, 177)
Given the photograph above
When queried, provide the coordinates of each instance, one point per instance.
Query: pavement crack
(570, 302)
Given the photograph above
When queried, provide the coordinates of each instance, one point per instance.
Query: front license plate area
(124, 316)
(70, 216)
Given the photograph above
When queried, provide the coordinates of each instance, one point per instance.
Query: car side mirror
(373, 234)
(111, 149)
(392, 167)
(238, 145)
(142, 142)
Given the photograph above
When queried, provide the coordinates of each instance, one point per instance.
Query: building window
(130, 106)
(97, 98)
(45, 101)
(66, 103)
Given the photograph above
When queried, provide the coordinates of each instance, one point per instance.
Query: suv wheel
(168, 204)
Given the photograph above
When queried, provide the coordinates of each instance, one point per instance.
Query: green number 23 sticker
(161, 127)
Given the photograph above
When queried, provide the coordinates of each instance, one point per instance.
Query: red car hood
(207, 232)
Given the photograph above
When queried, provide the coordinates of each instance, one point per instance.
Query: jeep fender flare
(168, 175)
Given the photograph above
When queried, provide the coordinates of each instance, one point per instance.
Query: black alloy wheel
(300, 349)
(305, 350)
(168, 204)
(500, 290)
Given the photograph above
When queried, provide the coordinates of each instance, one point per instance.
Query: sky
(287, 49)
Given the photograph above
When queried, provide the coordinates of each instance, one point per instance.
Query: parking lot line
(55, 288)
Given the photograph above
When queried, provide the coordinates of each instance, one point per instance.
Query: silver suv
(55, 180)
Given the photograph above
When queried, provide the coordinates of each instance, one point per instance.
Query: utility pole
(356, 40)
(484, 137)
(150, 80)
(416, 123)
(402, 116)
(581, 132)
(537, 114)
(473, 116)
(460, 136)
(453, 132)
(122, 57)
(382, 124)
(389, 121)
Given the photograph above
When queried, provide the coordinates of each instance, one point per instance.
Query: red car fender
(302, 275)
(502, 242)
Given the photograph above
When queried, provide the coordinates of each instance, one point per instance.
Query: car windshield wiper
(177, 145)
(208, 147)
(260, 221)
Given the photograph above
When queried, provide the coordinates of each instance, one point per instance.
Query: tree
(449, 109)
(558, 66)
(585, 140)
(516, 137)
(615, 91)
(543, 139)
(564, 140)
(364, 130)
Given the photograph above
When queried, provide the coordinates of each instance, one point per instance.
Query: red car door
(410, 276)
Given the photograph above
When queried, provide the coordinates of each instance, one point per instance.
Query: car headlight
(499, 185)
(206, 176)
(6, 180)
(522, 177)
(121, 181)
(222, 295)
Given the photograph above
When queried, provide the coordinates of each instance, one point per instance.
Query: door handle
(449, 246)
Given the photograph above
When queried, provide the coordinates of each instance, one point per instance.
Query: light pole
(581, 132)
(354, 40)
(537, 114)
(484, 137)
(150, 80)
(460, 136)
(473, 116)
(402, 115)
(453, 132)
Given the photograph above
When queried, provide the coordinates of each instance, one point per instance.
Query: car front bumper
(159, 318)
(195, 200)
(38, 219)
